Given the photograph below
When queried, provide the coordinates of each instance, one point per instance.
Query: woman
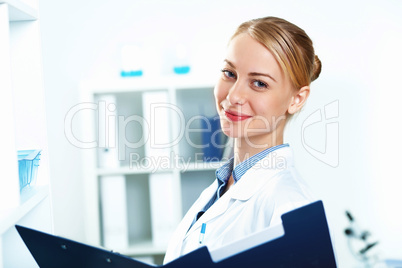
(265, 79)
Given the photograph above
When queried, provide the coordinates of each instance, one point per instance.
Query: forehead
(249, 55)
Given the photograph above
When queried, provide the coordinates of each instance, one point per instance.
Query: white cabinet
(157, 130)
(23, 127)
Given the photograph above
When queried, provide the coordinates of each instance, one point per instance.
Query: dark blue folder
(306, 243)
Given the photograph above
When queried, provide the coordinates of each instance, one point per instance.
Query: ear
(298, 100)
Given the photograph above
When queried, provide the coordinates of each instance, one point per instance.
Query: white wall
(359, 45)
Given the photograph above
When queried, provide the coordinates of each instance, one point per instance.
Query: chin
(230, 132)
(230, 129)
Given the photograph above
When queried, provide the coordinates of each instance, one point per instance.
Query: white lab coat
(266, 191)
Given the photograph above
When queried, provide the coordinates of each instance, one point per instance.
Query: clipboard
(306, 242)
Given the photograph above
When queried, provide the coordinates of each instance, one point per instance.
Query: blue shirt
(223, 174)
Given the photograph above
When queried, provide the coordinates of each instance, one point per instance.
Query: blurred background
(349, 159)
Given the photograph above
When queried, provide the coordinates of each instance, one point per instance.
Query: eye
(260, 84)
(228, 73)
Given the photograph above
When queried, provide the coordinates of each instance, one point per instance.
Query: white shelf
(133, 84)
(126, 171)
(195, 166)
(30, 198)
(20, 11)
(24, 126)
(201, 166)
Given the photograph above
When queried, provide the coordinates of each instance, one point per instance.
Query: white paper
(251, 241)
(157, 134)
(163, 213)
(114, 212)
(107, 132)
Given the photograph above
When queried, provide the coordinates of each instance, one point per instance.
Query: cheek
(263, 106)
(220, 94)
(272, 106)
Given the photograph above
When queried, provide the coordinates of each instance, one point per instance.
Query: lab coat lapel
(220, 206)
(250, 183)
(180, 233)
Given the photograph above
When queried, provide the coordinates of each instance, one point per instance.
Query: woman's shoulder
(285, 192)
(289, 181)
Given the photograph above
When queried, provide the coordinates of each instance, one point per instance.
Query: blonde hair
(289, 44)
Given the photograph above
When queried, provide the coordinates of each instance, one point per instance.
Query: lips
(235, 116)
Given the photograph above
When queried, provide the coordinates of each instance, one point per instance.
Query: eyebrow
(252, 73)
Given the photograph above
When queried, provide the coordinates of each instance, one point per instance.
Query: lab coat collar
(262, 172)
(250, 183)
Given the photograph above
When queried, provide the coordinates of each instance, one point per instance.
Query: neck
(246, 147)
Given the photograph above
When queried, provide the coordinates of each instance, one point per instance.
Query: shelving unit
(29, 199)
(154, 190)
(23, 127)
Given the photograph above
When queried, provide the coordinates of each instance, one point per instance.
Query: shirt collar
(223, 173)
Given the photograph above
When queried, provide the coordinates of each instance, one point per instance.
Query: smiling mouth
(234, 116)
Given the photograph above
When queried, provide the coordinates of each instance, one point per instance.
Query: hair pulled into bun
(289, 44)
(316, 69)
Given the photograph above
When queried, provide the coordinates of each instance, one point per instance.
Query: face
(253, 96)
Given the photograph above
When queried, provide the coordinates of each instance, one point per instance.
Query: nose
(237, 94)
